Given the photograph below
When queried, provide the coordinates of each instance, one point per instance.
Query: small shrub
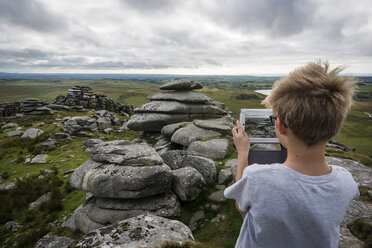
(4, 175)
(20, 159)
(68, 188)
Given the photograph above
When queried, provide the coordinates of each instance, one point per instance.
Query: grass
(13, 151)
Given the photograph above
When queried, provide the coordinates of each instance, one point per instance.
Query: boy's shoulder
(255, 169)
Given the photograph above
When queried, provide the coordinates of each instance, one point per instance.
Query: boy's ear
(281, 127)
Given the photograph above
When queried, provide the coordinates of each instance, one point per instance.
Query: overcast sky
(183, 36)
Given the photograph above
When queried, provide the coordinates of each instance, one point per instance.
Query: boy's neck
(307, 160)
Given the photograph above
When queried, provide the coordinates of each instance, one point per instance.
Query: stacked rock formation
(101, 121)
(85, 98)
(28, 107)
(9, 108)
(180, 103)
(126, 180)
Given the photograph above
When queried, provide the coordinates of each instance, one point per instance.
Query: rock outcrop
(180, 103)
(144, 231)
(85, 97)
(127, 179)
(78, 98)
(101, 121)
(27, 107)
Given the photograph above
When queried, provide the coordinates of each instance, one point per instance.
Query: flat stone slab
(32, 133)
(133, 154)
(174, 107)
(214, 148)
(180, 96)
(83, 222)
(13, 133)
(111, 210)
(115, 181)
(222, 124)
(169, 130)
(186, 135)
(143, 231)
(154, 122)
(39, 159)
(181, 84)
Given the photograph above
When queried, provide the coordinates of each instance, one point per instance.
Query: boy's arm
(242, 145)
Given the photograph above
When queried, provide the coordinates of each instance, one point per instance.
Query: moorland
(234, 92)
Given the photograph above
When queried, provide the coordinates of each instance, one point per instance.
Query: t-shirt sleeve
(239, 192)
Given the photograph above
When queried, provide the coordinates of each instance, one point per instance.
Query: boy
(301, 202)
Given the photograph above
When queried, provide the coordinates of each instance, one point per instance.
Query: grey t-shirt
(286, 208)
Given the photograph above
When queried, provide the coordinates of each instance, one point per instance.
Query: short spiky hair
(312, 101)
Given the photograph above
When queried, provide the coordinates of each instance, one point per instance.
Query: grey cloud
(23, 53)
(151, 5)
(29, 14)
(278, 18)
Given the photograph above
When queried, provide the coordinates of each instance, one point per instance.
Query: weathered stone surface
(8, 186)
(180, 96)
(46, 171)
(134, 154)
(40, 111)
(214, 148)
(121, 181)
(217, 196)
(75, 124)
(357, 209)
(41, 199)
(39, 159)
(233, 164)
(144, 231)
(348, 240)
(195, 219)
(49, 143)
(181, 84)
(60, 136)
(205, 166)
(12, 225)
(174, 107)
(111, 210)
(32, 133)
(187, 183)
(222, 124)
(70, 222)
(174, 158)
(9, 125)
(186, 135)
(57, 107)
(83, 97)
(154, 122)
(169, 130)
(13, 133)
(83, 222)
(225, 176)
(52, 241)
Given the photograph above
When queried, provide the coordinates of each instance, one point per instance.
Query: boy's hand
(241, 140)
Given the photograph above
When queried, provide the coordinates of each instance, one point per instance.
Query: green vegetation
(235, 92)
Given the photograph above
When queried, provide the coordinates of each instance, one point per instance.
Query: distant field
(356, 132)
(48, 90)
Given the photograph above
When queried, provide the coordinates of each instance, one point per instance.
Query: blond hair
(312, 101)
